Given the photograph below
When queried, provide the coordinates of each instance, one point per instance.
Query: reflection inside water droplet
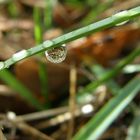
(56, 55)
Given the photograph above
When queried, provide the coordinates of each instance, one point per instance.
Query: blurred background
(65, 96)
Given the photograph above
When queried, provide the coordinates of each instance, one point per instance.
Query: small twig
(41, 114)
(58, 119)
(24, 127)
(2, 136)
(27, 129)
(72, 100)
(63, 117)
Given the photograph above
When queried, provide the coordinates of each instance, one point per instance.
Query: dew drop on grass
(120, 14)
(56, 55)
(1, 65)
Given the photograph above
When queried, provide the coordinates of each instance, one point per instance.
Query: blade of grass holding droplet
(134, 129)
(98, 26)
(10, 80)
(103, 119)
(108, 75)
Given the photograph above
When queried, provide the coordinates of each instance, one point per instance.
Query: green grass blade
(108, 75)
(134, 129)
(9, 79)
(13, 10)
(39, 37)
(96, 11)
(102, 120)
(48, 12)
(43, 76)
(38, 27)
(99, 71)
(57, 42)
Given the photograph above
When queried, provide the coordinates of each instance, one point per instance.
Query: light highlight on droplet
(86, 109)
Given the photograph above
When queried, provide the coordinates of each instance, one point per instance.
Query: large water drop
(56, 55)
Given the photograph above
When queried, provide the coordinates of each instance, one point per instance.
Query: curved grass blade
(134, 129)
(111, 84)
(9, 79)
(106, 76)
(102, 120)
(37, 28)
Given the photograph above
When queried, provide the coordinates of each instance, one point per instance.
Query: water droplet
(121, 14)
(56, 55)
(1, 65)
(47, 43)
(20, 55)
